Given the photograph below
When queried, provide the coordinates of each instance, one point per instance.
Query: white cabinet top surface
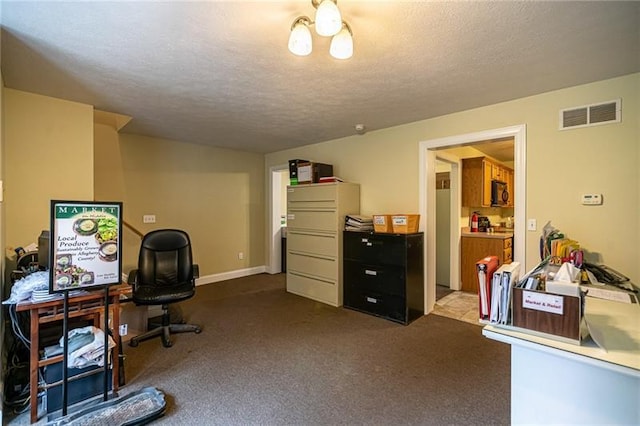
(618, 327)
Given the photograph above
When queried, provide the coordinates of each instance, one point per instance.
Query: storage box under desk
(565, 325)
(83, 383)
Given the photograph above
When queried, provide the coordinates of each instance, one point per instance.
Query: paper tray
(566, 325)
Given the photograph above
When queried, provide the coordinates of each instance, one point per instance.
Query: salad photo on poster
(85, 247)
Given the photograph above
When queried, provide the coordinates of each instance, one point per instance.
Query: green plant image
(107, 229)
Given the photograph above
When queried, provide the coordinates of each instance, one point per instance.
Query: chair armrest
(196, 271)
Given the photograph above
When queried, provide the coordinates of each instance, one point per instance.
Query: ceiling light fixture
(328, 23)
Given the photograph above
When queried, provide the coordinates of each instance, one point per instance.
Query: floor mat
(136, 408)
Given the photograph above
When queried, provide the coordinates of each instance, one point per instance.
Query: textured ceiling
(219, 73)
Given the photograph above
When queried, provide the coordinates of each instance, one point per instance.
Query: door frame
(427, 198)
(274, 242)
(455, 177)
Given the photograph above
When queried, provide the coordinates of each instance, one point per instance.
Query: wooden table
(89, 305)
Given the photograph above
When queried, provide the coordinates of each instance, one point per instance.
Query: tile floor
(459, 305)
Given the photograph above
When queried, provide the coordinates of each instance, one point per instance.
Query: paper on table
(617, 296)
(596, 334)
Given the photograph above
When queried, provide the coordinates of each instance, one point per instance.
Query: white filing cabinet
(315, 221)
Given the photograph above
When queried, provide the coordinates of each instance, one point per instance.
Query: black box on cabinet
(384, 274)
(293, 170)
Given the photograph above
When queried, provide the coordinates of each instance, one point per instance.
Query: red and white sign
(543, 302)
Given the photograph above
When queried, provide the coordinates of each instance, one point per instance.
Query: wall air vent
(590, 115)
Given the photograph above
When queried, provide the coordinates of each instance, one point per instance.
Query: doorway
(446, 211)
(428, 152)
(443, 224)
(277, 182)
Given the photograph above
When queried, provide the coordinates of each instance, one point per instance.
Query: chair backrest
(165, 258)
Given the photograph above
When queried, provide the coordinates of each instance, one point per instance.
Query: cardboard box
(404, 223)
(382, 223)
(134, 319)
(555, 315)
(312, 172)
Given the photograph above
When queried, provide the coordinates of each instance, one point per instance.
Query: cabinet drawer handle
(370, 272)
(367, 243)
(371, 300)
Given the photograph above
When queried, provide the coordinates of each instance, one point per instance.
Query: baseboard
(223, 276)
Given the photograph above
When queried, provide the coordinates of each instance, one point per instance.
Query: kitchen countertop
(501, 234)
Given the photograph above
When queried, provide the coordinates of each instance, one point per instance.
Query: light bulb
(342, 44)
(328, 19)
(300, 38)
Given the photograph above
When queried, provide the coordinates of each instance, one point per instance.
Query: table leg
(33, 365)
(116, 338)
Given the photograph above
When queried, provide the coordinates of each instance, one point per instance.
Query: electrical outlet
(149, 218)
(532, 225)
(241, 255)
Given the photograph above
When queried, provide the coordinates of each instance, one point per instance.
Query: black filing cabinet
(384, 274)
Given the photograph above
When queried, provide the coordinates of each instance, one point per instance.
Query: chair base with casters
(165, 330)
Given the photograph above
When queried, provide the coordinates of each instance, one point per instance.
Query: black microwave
(499, 193)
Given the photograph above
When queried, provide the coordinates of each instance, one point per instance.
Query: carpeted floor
(269, 357)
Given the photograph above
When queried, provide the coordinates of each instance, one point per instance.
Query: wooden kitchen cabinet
(510, 187)
(498, 172)
(477, 174)
(477, 247)
(476, 182)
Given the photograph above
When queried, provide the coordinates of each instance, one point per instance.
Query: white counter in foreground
(553, 382)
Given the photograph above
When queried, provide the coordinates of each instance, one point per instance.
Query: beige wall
(48, 154)
(216, 195)
(561, 165)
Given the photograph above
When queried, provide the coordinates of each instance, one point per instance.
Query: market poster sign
(85, 248)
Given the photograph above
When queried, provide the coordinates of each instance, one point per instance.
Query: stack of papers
(327, 179)
(358, 223)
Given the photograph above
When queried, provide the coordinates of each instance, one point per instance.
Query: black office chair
(165, 275)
